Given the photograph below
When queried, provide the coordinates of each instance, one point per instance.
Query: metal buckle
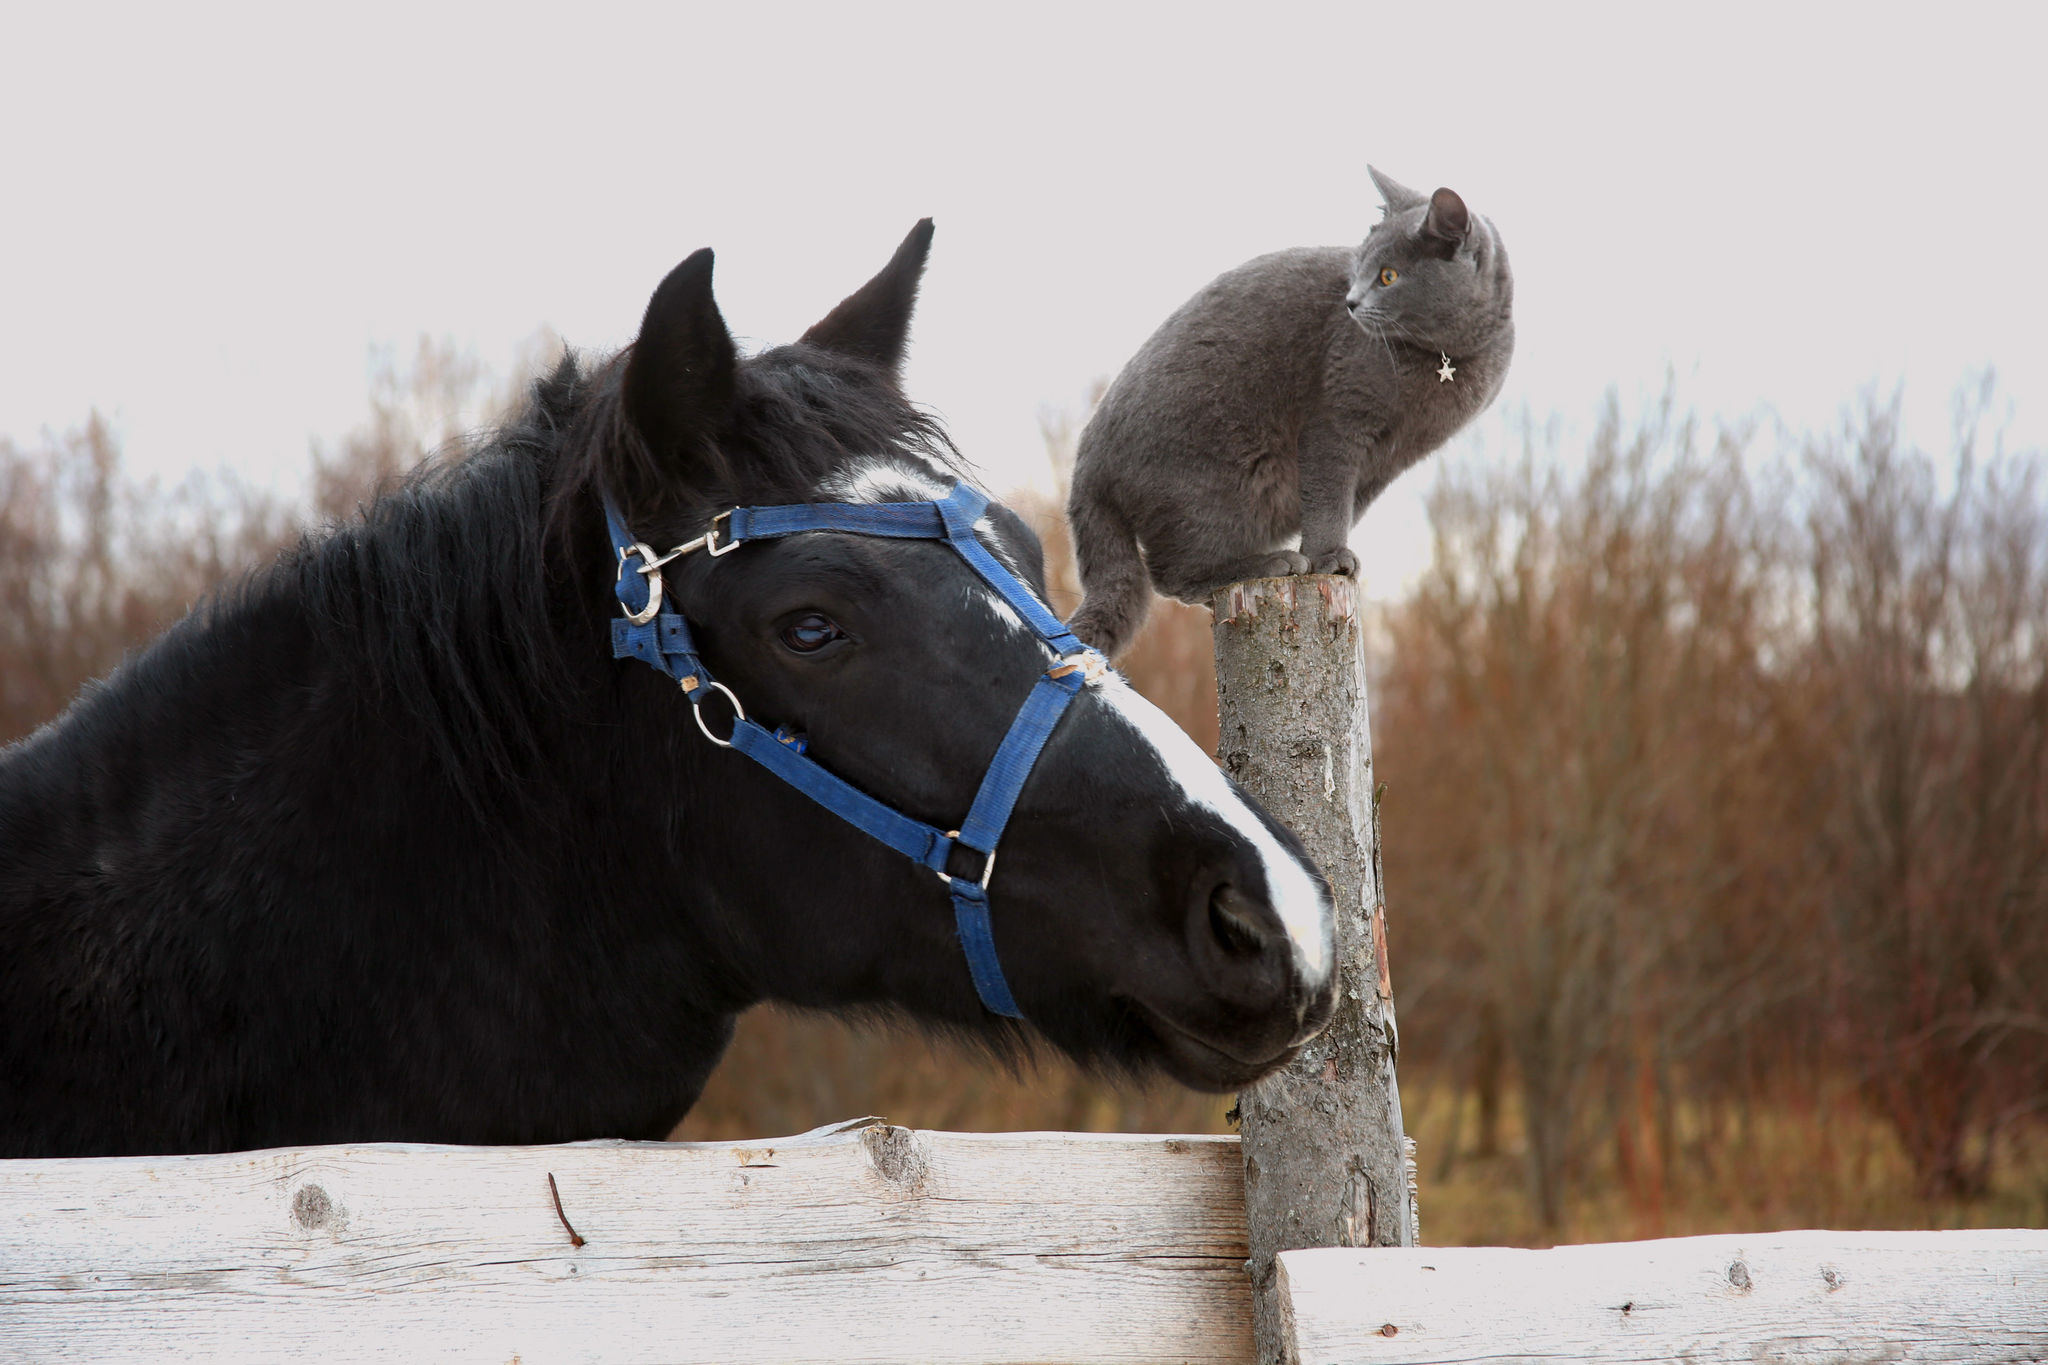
(988, 868)
(710, 537)
(739, 713)
(650, 565)
(708, 542)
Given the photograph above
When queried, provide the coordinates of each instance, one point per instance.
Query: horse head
(1146, 914)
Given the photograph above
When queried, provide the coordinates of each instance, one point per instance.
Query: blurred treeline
(1716, 810)
(94, 562)
(1717, 822)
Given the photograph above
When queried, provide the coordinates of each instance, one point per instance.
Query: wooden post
(1325, 1158)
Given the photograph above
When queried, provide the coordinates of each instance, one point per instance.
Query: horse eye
(810, 633)
(1388, 274)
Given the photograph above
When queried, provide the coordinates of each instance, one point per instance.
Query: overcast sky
(213, 216)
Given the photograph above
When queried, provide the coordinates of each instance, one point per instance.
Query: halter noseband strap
(655, 633)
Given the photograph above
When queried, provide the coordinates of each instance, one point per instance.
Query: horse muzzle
(1253, 995)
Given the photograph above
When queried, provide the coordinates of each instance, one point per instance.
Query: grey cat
(1279, 401)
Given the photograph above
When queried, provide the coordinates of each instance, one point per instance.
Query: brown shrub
(1694, 803)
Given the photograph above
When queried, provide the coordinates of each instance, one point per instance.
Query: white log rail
(866, 1244)
(1801, 1298)
(871, 1243)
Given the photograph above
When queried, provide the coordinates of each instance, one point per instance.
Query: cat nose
(1353, 299)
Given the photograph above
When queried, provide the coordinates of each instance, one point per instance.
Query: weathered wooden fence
(875, 1243)
(869, 1243)
(866, 1242)
(1800, 1298)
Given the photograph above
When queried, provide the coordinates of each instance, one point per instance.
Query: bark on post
(1325, 1159)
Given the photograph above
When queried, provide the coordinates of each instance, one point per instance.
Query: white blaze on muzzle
(1297, 898)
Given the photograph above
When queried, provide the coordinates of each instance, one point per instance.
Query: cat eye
(1388, 274)
(810, 633)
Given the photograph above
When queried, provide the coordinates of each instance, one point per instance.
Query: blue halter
(654, 632)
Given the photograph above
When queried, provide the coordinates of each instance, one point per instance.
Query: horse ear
(1396, 195)
(679, 379)
(873, 322)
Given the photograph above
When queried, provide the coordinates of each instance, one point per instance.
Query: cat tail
(1117, 589)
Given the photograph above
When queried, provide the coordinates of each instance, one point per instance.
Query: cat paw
(1282, 564)
(1338, 561)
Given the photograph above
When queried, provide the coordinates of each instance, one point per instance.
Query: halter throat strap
(654, 632)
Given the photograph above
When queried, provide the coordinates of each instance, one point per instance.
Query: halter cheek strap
(655, 633)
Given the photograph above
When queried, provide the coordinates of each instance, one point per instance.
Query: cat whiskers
(1372, 326)
(1384, 325)
(1403, 334)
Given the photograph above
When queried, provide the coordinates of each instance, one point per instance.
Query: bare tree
(1929, 730)
(1571, 745)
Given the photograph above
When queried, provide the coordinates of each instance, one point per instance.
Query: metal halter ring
(650, 565)
(988, 869)
(739, 713)
(650, 569)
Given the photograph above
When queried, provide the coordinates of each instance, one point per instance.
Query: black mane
(438, 590)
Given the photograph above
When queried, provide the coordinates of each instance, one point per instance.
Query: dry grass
(1803, 1160)
(788, 1072)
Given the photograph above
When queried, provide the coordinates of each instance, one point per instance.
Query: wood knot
(1738, 1275)
(897, 1156)
(311, 1208)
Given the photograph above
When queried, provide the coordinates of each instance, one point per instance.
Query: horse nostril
(1233, 919)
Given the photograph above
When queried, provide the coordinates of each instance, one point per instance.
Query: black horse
(384, 843)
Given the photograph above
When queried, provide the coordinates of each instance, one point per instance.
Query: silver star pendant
(1445, 375)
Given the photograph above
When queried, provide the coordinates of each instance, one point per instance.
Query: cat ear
(1447, 217)
(873, 322)
(679, 378)
(1445, 225)
(1397, 195)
